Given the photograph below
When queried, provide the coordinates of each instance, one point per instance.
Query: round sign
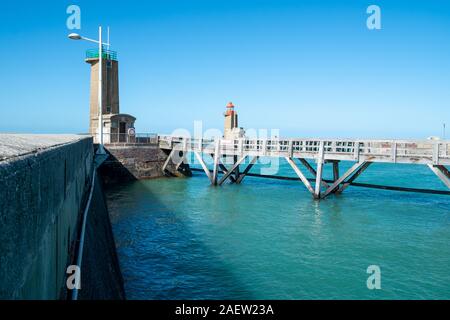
(131, 132)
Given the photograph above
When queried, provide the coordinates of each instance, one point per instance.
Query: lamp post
(443, 131)
(75, 36)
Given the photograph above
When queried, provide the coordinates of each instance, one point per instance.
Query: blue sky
(308, 68)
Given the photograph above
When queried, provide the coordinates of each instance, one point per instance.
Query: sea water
(181, 238)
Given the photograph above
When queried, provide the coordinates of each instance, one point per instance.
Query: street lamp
(75, 36)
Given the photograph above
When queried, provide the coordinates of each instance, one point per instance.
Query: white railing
(420, 151)
(128, 139)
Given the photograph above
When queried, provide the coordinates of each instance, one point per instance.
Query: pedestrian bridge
(433, 153)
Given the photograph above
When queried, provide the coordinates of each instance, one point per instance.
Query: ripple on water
(182, 239)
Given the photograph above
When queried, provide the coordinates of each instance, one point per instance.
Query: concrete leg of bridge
(355, 171)
(231, 171)
(246, 170)
(237, 171)
(178, 162)
(353, 178)
(225, 171)
(312, 170)
(300, 175)
(442, 172)
(203, 164)
(215, 174)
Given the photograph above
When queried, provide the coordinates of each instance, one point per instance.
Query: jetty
(299, 153)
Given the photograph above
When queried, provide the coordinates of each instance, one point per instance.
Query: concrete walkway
(15, 145)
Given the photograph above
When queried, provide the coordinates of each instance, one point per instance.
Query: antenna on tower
(109, 43)
(443, 131)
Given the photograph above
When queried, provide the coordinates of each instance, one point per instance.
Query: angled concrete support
(442, 172)
(247, 170)
(225, 170)
(300, 175)
(168, 160)
(349, 173)
(228, 174)
(312, 170)
(183, 159)
(203, 164)
(353, 177)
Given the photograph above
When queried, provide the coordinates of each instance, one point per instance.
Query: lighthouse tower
(231, 128)
(231, 121)
(116, 126)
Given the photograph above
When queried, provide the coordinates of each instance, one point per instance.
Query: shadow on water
(113, 171)
(161, 256)
(181, 239)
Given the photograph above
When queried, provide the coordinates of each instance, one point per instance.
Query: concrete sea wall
(43, 192)
(127, 163)
(101, 278)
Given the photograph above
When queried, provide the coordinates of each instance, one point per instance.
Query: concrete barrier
(42, 192)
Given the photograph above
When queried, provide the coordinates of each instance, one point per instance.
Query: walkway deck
(434, 154)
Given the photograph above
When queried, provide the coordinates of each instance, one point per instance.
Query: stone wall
(128, 163)
(45, 182)
(42, 195)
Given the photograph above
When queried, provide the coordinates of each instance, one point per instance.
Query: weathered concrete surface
(14, 145)
(101, 278)
(43, 184)
(127, 163)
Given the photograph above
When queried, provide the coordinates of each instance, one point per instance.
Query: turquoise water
(267, 239)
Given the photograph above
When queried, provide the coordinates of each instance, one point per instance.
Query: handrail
(83, 231)
(106, 54)
(431, 151)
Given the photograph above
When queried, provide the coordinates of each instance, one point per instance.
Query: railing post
(185, 144)
(394, 151)
(291, 148)
(356, 150)
(436, 154)
(241, 147)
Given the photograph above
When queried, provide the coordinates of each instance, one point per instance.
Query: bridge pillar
(353, 173)
(216, 163)
(320, 159)
(442, 173)
(247, 170)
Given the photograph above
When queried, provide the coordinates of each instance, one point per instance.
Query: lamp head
(74, 36)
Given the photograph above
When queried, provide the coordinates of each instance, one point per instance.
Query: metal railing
(419, 151)
(106, 54)
(127, 139)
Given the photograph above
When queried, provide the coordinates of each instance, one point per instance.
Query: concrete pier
(44, 183)
(433, 153)
(130, 162)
